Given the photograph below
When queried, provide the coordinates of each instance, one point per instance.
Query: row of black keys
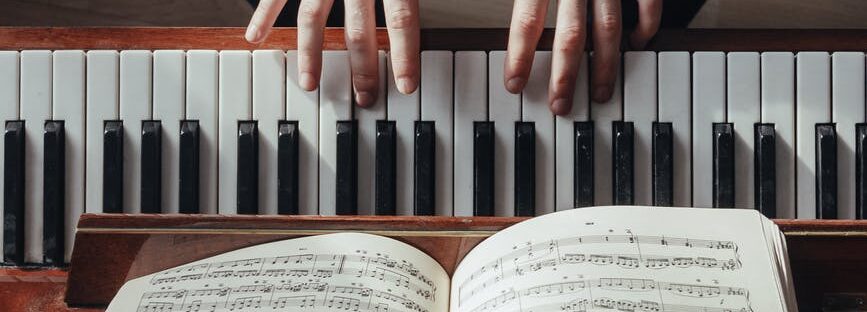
(424, 171)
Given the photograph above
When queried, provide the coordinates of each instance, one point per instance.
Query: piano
(123, 137)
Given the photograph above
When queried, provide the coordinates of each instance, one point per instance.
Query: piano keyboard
(230, 132)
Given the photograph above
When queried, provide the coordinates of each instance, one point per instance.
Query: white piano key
(813, 105)
(674, 107)
(639, 107)
(437, 105)
(235, 105)
(708, 107)
(102, 105)
(136, 68)
(201, 104)
(35, 109)
(534, 108)
(303, 106)
(404, 110)
(9, 88)
(565, 145)
(778, 107)
(603, 114)
(68, 99)
(471, 104)
(168, 104)
(504, 109)
(743, 95)
(335, 104)
(367, 118)
(269, 90)
(847, 109)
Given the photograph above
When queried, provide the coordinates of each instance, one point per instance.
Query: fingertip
(601, 93)
(365, 98)
(253, 34)
(515, 84)
(637, 41)
(561, 106)
(406, 85)
(307, 82)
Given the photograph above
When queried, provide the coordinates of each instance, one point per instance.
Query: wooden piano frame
(828, 257)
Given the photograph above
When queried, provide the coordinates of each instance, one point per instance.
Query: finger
(528, 19)
(401, 18)
(649, 16)
(606, 45)
(360, 30)
(567, 52)
(311, 26)
(263, 19)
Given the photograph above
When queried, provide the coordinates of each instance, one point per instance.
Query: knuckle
(401, 19)
(355, 36)
(308, 14)
(570, 38)
(528, 22)
(609, 23)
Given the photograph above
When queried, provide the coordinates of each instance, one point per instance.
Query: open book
(589, 259)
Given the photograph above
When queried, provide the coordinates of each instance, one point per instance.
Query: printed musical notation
(598, 293)
(602, 250)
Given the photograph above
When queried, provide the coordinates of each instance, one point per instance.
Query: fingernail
(405, 85)
(307, 82)
(253, 34)
(364, 99)
(601, 94)
(560, 106)
(515, 85)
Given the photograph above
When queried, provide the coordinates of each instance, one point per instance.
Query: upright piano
(146, 148)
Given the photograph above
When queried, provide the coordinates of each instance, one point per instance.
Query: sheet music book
(589, 259)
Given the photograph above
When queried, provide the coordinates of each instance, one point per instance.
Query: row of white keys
(135, 105)
(404, 110)
(234, 105)
(675, 107)
(743, 107)
(471, 105)
(535, 108)
(639, 107)
(708, 100)
(68, 106)
(813, 101)
(303, 106)
(778, 108)
(268, 107)
(603, 116)
(35, 109)
(367, 118)
(201, 104)
(335, 104)
(168, 107)
(9, 88)
(565, 136)
(847, 109)
(102, 104)
(436, 106)
(504, 109)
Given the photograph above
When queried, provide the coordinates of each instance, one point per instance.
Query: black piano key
(425, 168)
(13, 193)
(525, 169)
(723, 165)
(826, 171)
(287, 167)
(582, 175)
(112, 174)
(188, 157)
(248, 167)
(483, 168)
(623, 151)
(765, 170)
(346, 188)
(860, 171)
(386, 168)
(151, 166)
(663, 164)
(53, 194)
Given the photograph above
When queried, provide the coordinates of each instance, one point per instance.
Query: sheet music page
(623, 259)
(345, 272)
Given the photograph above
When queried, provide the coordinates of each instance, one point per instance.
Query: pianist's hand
(360, 24)
(528, 18)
